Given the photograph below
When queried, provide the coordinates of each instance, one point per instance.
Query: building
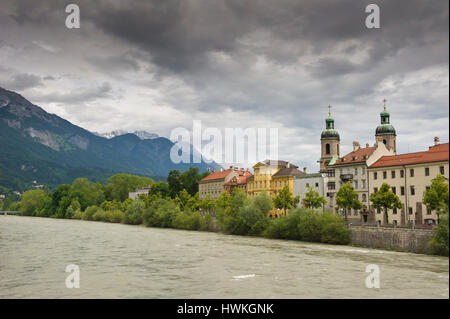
(352, 167)
(409, 175)
(271, 176)
(303, 182)
(140, 191)
(213, 184)
(238, 182)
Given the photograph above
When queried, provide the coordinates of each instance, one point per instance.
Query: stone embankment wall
(412, 240)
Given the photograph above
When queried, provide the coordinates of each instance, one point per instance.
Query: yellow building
(271, 176)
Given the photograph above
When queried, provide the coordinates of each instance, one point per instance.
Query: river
(123, 261)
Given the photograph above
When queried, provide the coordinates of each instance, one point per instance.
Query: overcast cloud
(157, 65)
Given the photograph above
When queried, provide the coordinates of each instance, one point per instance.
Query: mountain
(36, 145)
(143, 135)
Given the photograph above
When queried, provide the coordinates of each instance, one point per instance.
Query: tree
(284, 199)
(437, 196)
(385, 199)
(120, 185)
(440, 240)
(223, 201)
(313, 199)
(160, 188)
(33, 201)
(347, 198)
(175, 183)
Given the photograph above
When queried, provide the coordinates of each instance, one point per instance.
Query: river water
(122, 261)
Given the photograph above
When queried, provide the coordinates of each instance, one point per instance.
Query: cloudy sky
(157, 65)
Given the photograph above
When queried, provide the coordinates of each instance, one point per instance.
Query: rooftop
(437, 153)
(358, 156)
(288, 171)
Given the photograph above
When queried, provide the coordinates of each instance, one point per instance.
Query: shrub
(89, 213)
(134, 213)
(440, 241)
(161, 213)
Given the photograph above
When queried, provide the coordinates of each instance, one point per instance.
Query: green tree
(440, 241)
(284, 199)
(91, 193)
(160, 188)
(120, 185)
(32, 201)
(134, 213)
(437, 196)
(313, 199)
(385, 199)
(175, 183)
(223, 201)
(347, 198)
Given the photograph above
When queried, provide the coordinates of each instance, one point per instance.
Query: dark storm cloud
(22, 81)
(78, 95)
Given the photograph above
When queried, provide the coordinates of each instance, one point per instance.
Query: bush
(115, 216)
(89, 213)
(308, 225)
(161, 213)
(134, 213)
(440, 241)
(77, 215)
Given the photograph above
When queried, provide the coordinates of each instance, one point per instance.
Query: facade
(302, 183)
(409, 175)
(271, 176)
(135, 195)
(353, 166)
(213, 184)
(238, 182)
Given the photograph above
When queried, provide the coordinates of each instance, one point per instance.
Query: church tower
(385, 132)
(329, 140)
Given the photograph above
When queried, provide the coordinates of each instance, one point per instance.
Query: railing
(346, 177)
(9, 212)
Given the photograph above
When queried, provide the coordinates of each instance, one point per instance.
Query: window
(411, 172)
(327, 149)
(394, 190)
(441, 170)
(427, 171)
(413, 190)
(331, 185)
(331, 173)
(378, 210)
(356, 171)
(428, 210)
(384, 175)
(375, 189)
(410, 211)
(375, 175)
(364, 198)
(363, 169)
(402, 173)
(307, 184)
(427, 188)
(393, 174)
(402, 190)
(356, 184)
(363, 183)
(317, 184)
(394, 211)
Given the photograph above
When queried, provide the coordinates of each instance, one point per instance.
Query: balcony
(346, 177)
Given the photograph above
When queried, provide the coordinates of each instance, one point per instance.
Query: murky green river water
(121, 261)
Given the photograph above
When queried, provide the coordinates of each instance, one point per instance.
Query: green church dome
(330, 133)
(383, 129)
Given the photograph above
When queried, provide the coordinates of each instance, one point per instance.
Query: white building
(317, 181)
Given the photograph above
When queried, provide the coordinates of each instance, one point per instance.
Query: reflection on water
(122, 261)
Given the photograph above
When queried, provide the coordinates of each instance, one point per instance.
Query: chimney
(304, 170)
(355, 146)
(367, 145)
(436, 140)
(221, 169)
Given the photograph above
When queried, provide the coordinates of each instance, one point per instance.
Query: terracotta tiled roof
(358, 156)
(242, 179)
(436, 153)
(218, 175)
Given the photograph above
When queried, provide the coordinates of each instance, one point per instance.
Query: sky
(158, 65)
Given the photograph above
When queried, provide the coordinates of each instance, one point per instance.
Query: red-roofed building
(409, 175)
(213, 184)
(237, 182)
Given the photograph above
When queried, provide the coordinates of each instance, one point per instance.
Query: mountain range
(43, 147)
